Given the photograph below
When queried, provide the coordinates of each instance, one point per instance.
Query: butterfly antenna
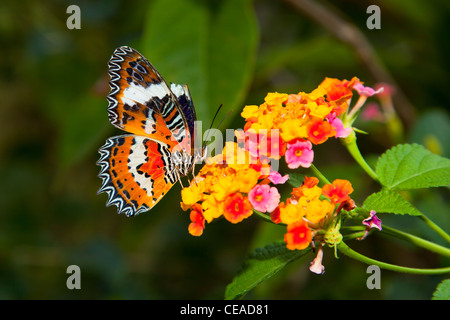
(212, 122)
(221, 121)
(217, 112)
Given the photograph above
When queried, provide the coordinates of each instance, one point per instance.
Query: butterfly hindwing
(136, 171)
(187, 106)
(141, 102)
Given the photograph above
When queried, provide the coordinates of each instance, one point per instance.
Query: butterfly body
(139, 168)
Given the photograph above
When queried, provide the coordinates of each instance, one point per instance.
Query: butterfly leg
(181, 182)
(197, 157)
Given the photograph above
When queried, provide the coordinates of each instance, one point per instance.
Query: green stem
(342, 247)
(319, 175)
(435, 227)
(431, 246)
(352, 147)
(417, 241)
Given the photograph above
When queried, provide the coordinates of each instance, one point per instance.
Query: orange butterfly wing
(137, 169)
(141, 102)
(136, 172)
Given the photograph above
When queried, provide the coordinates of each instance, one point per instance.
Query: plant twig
(342, 247)
(351, 35)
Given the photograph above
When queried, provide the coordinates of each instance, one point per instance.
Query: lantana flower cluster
(230, 185)
(241, 179)
(300, 121)
(311, 209)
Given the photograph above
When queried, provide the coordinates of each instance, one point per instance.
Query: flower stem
(355, 109)
(319, 175)
(342, 247)
(416, 240)
(431, 246)
(352, 147)
(435, 227)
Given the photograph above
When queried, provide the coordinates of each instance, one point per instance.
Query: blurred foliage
(53, 119)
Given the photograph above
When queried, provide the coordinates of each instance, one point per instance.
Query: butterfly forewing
(140, 101)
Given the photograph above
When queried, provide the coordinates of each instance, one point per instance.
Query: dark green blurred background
(53, 119)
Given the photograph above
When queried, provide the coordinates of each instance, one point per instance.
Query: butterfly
(140, 167)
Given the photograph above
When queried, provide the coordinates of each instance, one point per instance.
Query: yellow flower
(293, 110)
(291, 213)
(246, 179)
(235, 156)
(223, 187)
(275, 98)
(212, 209)
(250, 111)
(318, 92)
(317, 209)
(265, 121)
(292, 129)
(319, 111)
(312, 193)
(193, 194)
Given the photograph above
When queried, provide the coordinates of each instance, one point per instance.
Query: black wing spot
(138, 77)
(142, 69)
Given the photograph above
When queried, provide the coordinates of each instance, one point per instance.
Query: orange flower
(275, 215)
(237, 208)
(308, 183)
(338, 191)
(319, 131)
(338, 90)
(298, 235)
(197, 224)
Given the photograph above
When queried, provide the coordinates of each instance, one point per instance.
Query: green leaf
(411, 166)
(210, 45)
(296, 179)
(260, 265)
(390, 202)
(442, 291)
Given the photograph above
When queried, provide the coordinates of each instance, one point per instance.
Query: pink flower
(388, 90)
(276, 178)
(264, 198)
(252, 143)
(299, 153)
(338, 126)
(366, 91)
(371, 112)
(371, 222)
(316, 264)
